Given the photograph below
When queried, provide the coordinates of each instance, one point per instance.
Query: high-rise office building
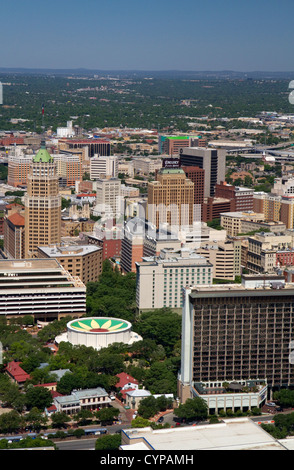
(42, 204)
(69, 169)
(160, 279)
(171, 144)
(108, 201)
(238, 332)
(196, 175)
(213, 161)
(92, 146)
(171, 198)
(18, 168)
(132, 244)
(103, 167)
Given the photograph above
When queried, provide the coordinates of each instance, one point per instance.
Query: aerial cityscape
(146, 230)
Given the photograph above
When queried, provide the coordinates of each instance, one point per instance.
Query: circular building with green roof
(99, 332)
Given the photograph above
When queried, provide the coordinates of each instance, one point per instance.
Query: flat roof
(236, 290)
(29, 265)
(69, 250)
(235, 434)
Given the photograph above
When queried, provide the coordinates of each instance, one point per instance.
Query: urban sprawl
(147, 284)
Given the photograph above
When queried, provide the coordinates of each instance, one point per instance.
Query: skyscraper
(238, 332)
(171, 199)
(213, 161)
(42, 204)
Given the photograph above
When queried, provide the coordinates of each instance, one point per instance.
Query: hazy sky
(246, 35)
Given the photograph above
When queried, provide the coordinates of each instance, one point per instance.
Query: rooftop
(17, 219)
(253, 284)
(29, 265)
(68, 250)
(139, 393)
(235, 434)
(43, 156)
(125, 379)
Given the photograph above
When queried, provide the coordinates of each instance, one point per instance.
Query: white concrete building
(98, 332)
(160, 279)
(235, 398)
(108, 202)
(63, 132)
(89, 399)
(103, 167)
(40, 287)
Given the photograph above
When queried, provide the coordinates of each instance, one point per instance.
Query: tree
(35, 419)
(285, 397)
(248, 181)
(140, 422)
(59, 420)
(11, 422)
(106, 415)
(164, 403)
(275, 432)
(10, 394)
(148, 407)
(79, 433)
(160, 379)
(162, 325)
(194, 408)
(84, 417)
(108, 442)
(38, 397)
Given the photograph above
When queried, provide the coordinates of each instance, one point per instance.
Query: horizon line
(148, 70)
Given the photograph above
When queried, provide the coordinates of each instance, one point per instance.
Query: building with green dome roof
(43, 156)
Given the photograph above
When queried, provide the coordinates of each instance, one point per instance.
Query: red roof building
(126, 381)
(17, 374)
(17, 219)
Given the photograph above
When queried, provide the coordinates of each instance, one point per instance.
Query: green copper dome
(43, 156)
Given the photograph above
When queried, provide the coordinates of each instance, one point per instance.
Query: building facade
(171, 199)
(18, 168)
(89, 399)
(225, 258)
(196, 175)
(160, 279)
(108, 201)
(238, 332)
(41, 288)
(82, 261)
(69, 169)
(14, 236)
(211, 160)
(242, 197)
(103, 167)
(42, 204)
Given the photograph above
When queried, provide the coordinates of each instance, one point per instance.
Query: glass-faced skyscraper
(42, 204)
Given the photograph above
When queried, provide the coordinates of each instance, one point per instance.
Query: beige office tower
(42, 204)
(171, 199)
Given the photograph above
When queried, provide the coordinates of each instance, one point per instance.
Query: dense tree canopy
(113, 295)
(194, 408)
